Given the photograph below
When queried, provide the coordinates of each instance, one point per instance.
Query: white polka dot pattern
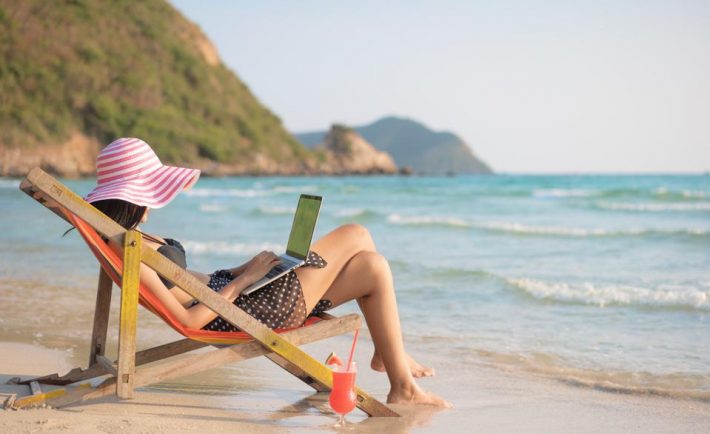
(280, 304)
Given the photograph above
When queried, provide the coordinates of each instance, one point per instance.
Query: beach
(490, 401)
(546, 304)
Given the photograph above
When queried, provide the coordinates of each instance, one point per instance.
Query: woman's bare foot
(413, 394)
(417, 369)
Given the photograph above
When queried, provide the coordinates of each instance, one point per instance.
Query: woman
(344, 265)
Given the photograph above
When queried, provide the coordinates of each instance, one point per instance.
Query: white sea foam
(226, 192)
(677, 384)
(9, 183)
(559, 192)
(349, 212)
(546, 230)
(295, 188)
(603, 295)
(689, 194)
(564, 231)
(212, 207)
(224, 247)
(694, 193)
(654, 207)
(427, 220)
(277, 210)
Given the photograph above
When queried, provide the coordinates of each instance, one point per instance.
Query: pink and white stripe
(128, 169)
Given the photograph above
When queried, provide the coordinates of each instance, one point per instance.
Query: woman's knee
(375, 264)
(358, 234)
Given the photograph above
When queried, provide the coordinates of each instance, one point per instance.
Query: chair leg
(297, 372)
(129, 315)
(101, 315)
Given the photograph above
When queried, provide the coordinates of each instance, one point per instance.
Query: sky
(533, 87)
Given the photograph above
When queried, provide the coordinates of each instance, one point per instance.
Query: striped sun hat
(128, 169)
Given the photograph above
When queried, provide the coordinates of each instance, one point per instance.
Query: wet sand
(489, 400)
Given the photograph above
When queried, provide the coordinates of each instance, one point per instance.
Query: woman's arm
(236, 271)
(194, 317)
(183, 297)
(186, 299)
(198, 316)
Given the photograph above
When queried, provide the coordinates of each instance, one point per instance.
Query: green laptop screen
(304, 223)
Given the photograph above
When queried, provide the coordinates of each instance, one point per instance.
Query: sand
(489, 400)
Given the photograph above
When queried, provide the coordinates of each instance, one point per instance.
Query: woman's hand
(259, 266)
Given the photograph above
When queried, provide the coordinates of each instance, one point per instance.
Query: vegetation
(112, 69)
(340, 142)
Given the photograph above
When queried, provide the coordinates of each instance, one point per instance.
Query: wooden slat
(297, 372)
(129, 314)
(142, 357)
(34, 387)
(101, 316)
(200, 362)
(55, 395)
(39, 180)
(107, 365)
(167, 350)
(76, 374)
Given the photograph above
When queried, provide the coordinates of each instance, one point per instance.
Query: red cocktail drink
(342, 397)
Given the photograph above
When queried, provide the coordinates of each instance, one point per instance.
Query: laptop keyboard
(283, 266)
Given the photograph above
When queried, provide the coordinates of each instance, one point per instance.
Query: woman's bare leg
(338, 247)
(366, 276)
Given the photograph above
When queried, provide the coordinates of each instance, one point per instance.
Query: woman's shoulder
(163, 243)
(174, 243)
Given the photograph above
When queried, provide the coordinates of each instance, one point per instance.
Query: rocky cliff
(414, 146)
(345, 151)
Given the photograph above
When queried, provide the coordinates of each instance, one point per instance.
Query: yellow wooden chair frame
(127, 372)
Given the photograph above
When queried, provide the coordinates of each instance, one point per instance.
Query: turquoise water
(596, 280)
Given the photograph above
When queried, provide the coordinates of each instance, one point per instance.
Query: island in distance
(413, 147)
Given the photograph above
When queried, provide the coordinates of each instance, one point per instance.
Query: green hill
(413, 145)
(109, 69)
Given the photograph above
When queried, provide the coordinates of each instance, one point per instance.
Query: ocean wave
(563, 231)
(226, 192)
(666, 296)
(10, 183)
(664, 193)
(275, 210)
(213, 207)
(544, 230)
(428, 221)
(519, 228)
(660, 194)
(654, 207)
(295, 188)
(694, 194)
(676, 385)
(224, 247)
(349, 213)
(559, 192)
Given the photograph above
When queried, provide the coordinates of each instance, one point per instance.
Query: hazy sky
(546, 86)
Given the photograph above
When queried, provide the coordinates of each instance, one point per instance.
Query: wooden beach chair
(129, 372)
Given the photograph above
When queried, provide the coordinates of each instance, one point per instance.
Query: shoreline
(491, 399)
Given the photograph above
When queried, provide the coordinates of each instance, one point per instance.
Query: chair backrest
(92, 224)
(112, 264)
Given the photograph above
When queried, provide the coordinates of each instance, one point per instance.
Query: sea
(595, 281)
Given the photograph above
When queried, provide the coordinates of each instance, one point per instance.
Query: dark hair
(124, 213)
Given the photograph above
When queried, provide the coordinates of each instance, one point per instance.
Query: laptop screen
(304, 223)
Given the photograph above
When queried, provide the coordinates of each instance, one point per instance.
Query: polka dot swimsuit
(280, 304)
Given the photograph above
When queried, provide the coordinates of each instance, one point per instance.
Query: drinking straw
(352, 350)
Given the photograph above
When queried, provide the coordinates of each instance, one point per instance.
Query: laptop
(299, 241)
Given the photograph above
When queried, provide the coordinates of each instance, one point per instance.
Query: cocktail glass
(342, 396)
